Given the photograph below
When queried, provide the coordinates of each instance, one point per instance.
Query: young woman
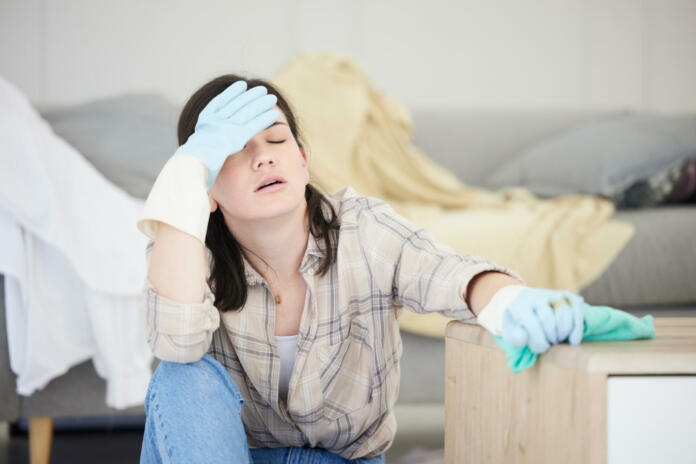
(274, 307)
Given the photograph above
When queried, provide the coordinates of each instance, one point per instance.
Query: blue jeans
(194, 415)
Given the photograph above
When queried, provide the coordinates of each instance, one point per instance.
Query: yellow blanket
(358, 136)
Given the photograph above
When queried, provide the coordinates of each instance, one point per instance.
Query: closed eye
(276, 141)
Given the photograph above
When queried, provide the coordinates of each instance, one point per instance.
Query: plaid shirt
(345, 380)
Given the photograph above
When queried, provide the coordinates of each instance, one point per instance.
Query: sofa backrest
(473, 143)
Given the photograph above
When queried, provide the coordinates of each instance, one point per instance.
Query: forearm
(175, 216)
(482, 288)
(178, 266)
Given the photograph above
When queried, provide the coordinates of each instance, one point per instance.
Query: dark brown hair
(227, 280)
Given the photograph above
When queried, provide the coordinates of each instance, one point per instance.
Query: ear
(304, 164)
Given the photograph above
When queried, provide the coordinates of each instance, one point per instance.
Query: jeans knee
(204, 378)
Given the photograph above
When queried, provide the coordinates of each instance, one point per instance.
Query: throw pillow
(605, 157)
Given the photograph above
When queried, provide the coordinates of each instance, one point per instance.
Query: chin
(280, 207)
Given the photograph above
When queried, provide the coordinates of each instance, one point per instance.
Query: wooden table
(598, 402)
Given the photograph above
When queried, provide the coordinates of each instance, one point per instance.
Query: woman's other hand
(540, 317)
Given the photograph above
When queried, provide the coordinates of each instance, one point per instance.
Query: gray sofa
(651, 275)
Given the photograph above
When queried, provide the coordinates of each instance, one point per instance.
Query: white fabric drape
(74, 265)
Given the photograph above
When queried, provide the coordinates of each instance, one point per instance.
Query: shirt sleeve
(176, 331)
(422, 274)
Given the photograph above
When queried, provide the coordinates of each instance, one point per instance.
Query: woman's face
(273, 151)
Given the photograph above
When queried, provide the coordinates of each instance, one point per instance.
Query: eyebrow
(277, 122)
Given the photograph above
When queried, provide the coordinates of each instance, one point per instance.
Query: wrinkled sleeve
(421, 273)
(178, 332)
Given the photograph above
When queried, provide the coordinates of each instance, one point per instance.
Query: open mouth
(271, 186)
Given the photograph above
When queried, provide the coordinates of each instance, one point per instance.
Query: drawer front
(651, 419)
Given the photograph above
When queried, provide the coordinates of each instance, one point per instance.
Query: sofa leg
(4, 431)
(40, 437)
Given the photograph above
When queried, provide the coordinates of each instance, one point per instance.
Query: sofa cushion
(9, 406)
(656, 266)
(423, 364)
(60, 398)
(604, 157)
(476, 143)
(128, 138)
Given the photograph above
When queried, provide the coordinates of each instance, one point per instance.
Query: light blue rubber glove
(541, 317)
(227, 123)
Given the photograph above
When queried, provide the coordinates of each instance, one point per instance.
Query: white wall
(475, 53)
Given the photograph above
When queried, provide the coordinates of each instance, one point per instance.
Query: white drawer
(651, 419)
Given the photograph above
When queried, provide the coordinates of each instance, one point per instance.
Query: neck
(280, 241)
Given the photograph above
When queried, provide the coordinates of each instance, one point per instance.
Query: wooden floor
(420, 439)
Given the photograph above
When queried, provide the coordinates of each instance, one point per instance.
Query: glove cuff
(179, 198)
(491, 316)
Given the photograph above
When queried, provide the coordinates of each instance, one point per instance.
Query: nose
(263, 157)
(260, 154)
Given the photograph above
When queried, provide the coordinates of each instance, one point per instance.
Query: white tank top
(286, 348)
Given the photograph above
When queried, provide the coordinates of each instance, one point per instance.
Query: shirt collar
(310, 260)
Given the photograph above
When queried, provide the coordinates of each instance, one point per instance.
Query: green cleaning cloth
(600, 323)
